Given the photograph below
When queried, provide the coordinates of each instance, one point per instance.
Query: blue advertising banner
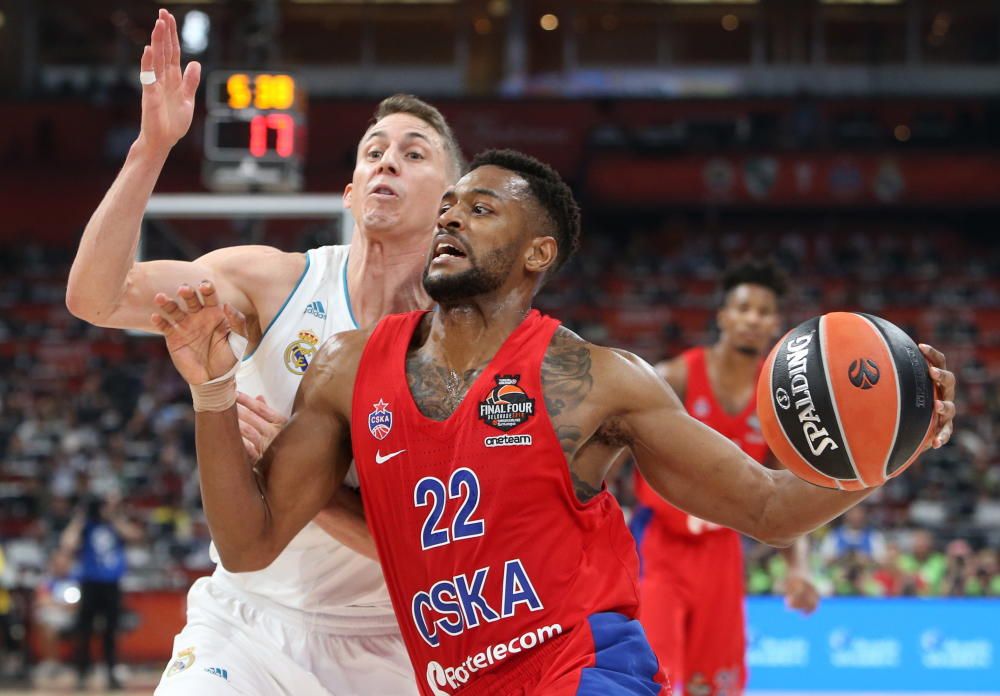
(875, 646)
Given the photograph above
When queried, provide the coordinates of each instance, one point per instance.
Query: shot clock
(254, 131)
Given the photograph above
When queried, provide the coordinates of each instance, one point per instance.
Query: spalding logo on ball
(846, 401)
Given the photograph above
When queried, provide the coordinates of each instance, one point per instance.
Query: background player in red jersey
(692, 571)
(503, 229)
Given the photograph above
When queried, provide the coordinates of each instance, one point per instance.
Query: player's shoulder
(334, 252)
(333, 370)
(568, 345)
(245, 257)
(257, 267)
(341, 353)
(603, 369)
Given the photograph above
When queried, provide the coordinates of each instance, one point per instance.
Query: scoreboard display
(254, 132)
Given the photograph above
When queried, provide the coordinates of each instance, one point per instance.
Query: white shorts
(230, 646)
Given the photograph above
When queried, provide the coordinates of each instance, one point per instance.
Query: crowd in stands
(652, 288)
(87, 412)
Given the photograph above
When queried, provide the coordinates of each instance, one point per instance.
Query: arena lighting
(549, 22)
(373, 2)
(195, 30)
(861, 2)
(704, 2)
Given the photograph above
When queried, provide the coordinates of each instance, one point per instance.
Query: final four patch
(299, 352)
(507, 405)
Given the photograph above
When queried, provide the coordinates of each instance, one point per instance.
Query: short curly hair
(551, 192)
(763, 272)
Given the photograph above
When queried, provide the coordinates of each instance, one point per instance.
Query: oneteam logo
(508, 441)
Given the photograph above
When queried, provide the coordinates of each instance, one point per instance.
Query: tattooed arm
(699, 470)
(602, 400)
(590, 444)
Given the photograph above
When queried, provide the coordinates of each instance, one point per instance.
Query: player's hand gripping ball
(846, 401)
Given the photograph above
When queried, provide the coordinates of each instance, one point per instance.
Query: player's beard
(478, 279)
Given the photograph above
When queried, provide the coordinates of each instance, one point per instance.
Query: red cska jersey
(491, 561)
(743, 429)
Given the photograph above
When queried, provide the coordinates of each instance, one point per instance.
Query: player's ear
(541, 254)
(347, 195)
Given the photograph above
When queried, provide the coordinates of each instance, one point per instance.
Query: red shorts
(692, 607)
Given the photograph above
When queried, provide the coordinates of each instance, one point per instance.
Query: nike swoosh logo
(382, 459)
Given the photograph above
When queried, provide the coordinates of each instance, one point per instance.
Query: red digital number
(282, 124)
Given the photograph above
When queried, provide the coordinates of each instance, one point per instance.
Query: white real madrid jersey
(326, 582)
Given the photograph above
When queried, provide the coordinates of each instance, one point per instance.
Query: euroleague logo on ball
(863, 373)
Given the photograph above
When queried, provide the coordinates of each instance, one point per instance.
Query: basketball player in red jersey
(692, 581)
(482, 432)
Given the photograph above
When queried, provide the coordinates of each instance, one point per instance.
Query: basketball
(845, 400)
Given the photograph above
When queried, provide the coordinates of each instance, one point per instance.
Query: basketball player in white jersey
(318, 620)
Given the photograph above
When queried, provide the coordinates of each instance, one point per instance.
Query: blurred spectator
(987, 577)
(892, 580)
(6, 637)
(923, 564)
(960, 577)
(854, 536)
(98, 534)
(853, 574)
(57, 597)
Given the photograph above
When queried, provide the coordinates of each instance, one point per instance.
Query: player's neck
(464, 336)
(384, 276)
(733, 365)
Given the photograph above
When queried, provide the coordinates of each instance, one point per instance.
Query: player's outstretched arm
(253, 512)
(106, 286)
(705, 474)
(104, 268)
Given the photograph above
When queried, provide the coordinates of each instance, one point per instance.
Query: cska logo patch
(507, 405)
(380, 420)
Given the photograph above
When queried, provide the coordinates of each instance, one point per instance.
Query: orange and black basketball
(845, 400)
(507, 394)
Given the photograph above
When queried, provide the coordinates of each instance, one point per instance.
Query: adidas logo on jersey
(219, 672)
(316, 309)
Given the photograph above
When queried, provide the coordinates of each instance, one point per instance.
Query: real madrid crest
(184, 659)
(299, 352)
